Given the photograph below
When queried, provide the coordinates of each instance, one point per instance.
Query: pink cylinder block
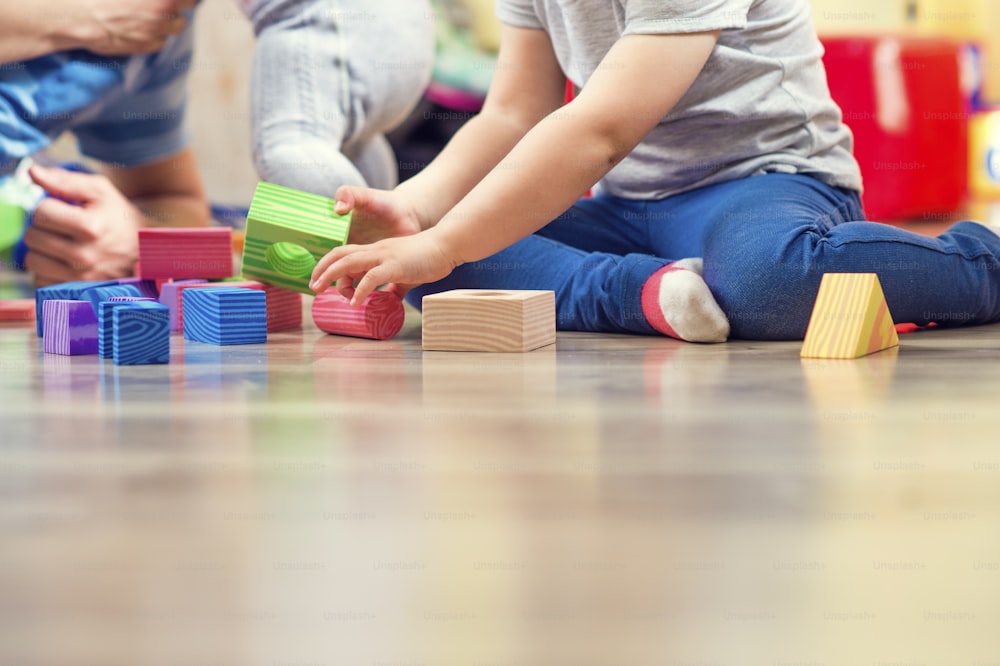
(379, 317)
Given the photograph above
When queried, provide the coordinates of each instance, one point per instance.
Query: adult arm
(108, 27)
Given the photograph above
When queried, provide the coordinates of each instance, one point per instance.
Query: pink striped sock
(677, 302)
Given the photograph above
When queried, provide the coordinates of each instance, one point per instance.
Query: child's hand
(377, 214)
(399, 262)
(93, 238)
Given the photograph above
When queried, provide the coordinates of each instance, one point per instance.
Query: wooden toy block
(850, 318)
(63, 291)
(105, 322)
(245, 284)
(984, 154)
(284, 308)
(226, 316)
(489, 320)
(147, 288)
(185, 253)
(96, 295)
(287, 232)
(140, 333)
(168, 297)
(379, 317)
(19, 309)
(70, 327)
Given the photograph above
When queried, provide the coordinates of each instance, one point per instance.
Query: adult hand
(86, 229)
(124, 27)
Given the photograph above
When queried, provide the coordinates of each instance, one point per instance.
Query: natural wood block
(488, 320)
(850, 318)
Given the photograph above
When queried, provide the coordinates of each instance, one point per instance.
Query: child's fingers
(326, 261)
(368, 283)
(347, 261)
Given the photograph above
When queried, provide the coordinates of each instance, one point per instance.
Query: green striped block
(287, 232)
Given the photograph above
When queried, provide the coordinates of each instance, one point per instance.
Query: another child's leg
(771, 238)
(620, 289)
(319, 94)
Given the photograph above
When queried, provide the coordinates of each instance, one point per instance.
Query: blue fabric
(20, 250)
(123, 110)
(766, 243)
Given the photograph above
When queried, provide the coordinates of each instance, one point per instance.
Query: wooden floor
(609, 501)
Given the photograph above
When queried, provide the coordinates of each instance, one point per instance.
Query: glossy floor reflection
(611, 500)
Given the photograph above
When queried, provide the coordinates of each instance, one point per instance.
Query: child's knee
(763, 302)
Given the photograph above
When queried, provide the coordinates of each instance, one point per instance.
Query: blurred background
(919, 82)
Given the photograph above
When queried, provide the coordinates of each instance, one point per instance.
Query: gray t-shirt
(760, 105)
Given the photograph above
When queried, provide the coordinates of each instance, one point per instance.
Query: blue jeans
(766, 243)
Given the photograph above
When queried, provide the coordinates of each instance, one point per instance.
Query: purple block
(70, 327)
(168, 297)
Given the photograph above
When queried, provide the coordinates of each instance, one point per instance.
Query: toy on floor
(70, 327)
(185, 253)
(19, 309)
(287, 232)
(62, 291)
(379, 317)
(226, 316)
(850, 318)
(168, 297)
(105, 322)
(283, 307)
(140, 333)
(489, 320)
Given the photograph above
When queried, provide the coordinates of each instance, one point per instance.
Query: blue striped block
(225, 316)
(96, 295)
(105, 322)
(140, 333)
(66, 291)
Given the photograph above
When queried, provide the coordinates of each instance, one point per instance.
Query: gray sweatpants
(330, 78)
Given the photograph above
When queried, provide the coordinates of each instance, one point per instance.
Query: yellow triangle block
(850, 318)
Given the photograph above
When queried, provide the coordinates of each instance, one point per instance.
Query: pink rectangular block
(21, 309)
(185, 253)
(69, 328)
(284, 309)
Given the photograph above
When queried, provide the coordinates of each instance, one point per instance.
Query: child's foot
(677, 302)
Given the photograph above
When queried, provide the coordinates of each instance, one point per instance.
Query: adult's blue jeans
(766, 243)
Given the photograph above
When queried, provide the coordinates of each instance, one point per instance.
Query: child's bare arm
(639, 81)
(637, 84)
(526, 86)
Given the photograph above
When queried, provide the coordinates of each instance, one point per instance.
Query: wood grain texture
(185, 253)
(489, 320)
(850, 318)
(379, 317)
